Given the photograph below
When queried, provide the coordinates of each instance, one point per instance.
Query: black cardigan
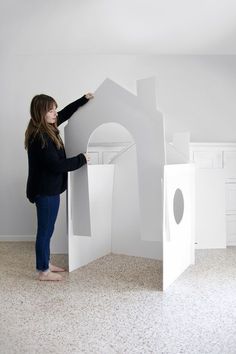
(48, 166)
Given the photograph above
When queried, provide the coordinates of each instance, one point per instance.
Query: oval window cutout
(178, 205)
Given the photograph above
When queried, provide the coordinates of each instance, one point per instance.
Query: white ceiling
(118, 26)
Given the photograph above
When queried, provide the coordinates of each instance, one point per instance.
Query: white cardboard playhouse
(136, 197)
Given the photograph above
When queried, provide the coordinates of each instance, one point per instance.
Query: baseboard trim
(17, 238)
(209, 247)
(231, 244)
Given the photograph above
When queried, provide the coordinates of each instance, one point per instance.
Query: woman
(48, 167)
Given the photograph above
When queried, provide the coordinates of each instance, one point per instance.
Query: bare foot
(54, 268)
(49, 276)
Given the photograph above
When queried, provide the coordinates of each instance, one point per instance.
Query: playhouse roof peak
(146, 91)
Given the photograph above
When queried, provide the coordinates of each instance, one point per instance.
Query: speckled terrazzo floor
(114, 305)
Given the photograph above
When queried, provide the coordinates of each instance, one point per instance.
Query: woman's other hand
(89, 96)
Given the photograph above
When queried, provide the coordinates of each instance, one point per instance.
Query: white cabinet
(208, 159)
(220, 156)
(230, 164)
(231, 229)
(230, 198)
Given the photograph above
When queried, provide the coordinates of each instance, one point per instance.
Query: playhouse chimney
(146, 92)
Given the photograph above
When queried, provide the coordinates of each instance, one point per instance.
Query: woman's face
(51, 116)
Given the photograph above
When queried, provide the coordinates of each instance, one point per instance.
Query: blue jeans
(47, 209)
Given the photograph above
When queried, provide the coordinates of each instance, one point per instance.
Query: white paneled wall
(103, 152)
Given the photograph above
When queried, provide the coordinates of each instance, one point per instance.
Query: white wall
(195, 93)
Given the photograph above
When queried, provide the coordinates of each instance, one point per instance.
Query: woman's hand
(89, 96)
(87, 156)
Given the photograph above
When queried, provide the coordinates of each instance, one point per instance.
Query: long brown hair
(38, 126)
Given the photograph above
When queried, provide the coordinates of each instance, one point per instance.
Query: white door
(179, 220)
